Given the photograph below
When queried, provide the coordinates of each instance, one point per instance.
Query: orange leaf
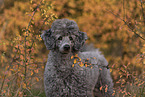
(100, 68)
(100, 88)
(36, 71)
(73, 65)
(106, 89)
(32, 73)
(72, 57)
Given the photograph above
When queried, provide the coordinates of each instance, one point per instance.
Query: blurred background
(116, 27)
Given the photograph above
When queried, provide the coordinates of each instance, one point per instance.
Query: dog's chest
(75, 80)
(73, 83)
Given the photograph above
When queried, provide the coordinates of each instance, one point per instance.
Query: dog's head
(64, 36)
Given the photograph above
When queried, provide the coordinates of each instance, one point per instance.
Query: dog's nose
(66, 47)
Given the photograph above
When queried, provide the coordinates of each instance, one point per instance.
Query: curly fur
(61, 78)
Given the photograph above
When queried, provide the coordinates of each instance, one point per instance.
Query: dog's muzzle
(66, 47)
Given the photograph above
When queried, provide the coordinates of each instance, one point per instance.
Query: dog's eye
(60, 38)
(70, 38)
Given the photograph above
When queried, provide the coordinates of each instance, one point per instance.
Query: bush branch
(133, 29)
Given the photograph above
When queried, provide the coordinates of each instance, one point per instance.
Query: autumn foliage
(116, 27)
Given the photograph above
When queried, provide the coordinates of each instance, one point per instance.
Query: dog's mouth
(64, 53)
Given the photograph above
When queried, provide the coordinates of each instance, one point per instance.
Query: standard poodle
(73, 68)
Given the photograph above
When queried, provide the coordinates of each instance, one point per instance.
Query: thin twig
(8, 70)
(27, 36)
(33, 15)
(30, 92)
(124, 10)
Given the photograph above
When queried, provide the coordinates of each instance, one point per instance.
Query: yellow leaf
(4, 91)
(37, 79)
(29, 88)
(75, 61)
(12, 69)
(110, 70)
(79, 59)
(81, 64)
(94, 57)
(113, 94)
(24, 85)
(31, 73)
(76, 55)
(31, 1)
(20, 94)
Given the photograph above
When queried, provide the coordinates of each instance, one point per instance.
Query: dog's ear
(48, 39)
(80, 40)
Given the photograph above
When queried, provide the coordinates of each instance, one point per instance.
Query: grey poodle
(72, 69)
